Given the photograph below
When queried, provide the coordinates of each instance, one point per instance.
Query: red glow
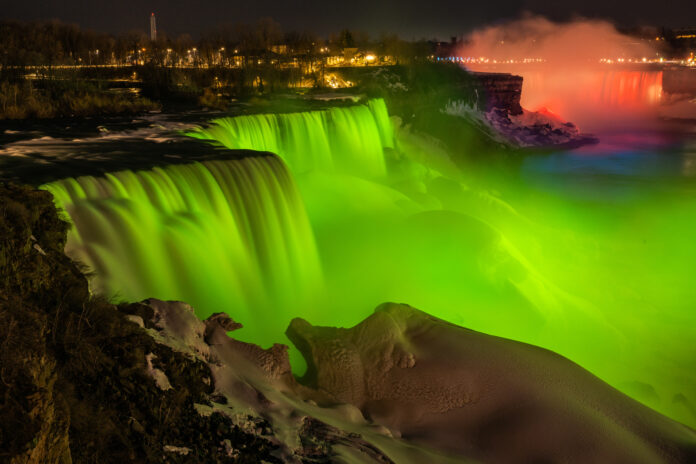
(591, 98)
(585, 70)
(547, 112)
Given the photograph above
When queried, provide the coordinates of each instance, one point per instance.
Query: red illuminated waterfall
(592, 97)
(631, 88)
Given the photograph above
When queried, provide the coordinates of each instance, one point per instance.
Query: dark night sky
(409, 18)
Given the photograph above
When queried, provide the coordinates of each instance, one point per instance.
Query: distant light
(370, 58)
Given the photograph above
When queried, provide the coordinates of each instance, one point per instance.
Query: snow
(530, 129)
(416, 389)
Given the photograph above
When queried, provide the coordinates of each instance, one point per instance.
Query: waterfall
(221, 235)
(229, 235)
(631, 88)
(349, 140)
(594, 98)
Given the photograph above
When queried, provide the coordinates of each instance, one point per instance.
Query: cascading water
(599, 87)
(221, 235)
(551, 272)
(224, 235)
(345, 140)
(590, 97)
(631, 88)
(234, 236)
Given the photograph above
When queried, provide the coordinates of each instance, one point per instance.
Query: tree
(345, 39)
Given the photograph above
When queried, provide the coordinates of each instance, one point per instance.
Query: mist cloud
(578, 42)
(571, 80)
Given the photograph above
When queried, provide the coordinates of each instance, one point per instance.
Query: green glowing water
(334, 140)
(223, 235)
(607, 285)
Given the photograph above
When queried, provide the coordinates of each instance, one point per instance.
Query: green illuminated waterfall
(221, 235)
(608, 285)
(347, 140)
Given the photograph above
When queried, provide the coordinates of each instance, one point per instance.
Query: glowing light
(618, 275)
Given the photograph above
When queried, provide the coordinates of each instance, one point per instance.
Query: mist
(585, 70)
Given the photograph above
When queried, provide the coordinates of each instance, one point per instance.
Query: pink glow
(566, 69)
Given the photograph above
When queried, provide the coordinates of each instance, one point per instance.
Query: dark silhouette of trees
(233, 59)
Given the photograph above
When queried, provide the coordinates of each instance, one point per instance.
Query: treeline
(54, 43)
(52, 69)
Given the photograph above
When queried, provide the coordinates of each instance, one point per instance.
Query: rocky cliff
(500, 91)
(75, 370)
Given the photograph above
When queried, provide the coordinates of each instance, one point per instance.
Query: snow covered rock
(491, 399)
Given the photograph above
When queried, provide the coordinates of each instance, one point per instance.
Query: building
(153, 27)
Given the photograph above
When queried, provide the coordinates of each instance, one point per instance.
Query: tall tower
(153, 27)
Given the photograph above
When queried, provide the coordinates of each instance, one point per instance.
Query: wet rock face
(34, 274)
(501, 91)
(454, 389)
(82, 380)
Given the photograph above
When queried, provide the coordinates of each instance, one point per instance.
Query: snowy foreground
(530, 129)
(403, 386)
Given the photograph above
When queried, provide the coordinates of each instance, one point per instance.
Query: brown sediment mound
(471, 394)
